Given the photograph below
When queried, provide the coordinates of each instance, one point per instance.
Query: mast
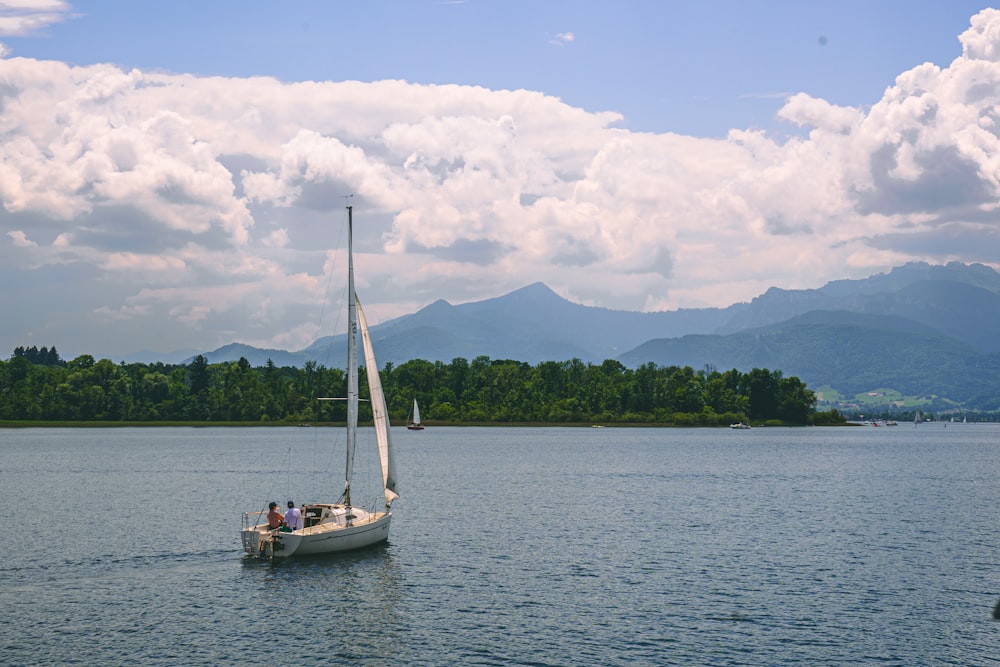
(352, 360)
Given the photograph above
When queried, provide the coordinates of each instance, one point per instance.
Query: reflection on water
(343, 604)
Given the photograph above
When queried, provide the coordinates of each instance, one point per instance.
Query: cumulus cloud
(210, 203)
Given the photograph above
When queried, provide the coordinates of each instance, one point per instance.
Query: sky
(175, 176)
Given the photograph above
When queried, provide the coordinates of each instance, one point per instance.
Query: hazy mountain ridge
(852, 352)
(957, 299)
(920, 329)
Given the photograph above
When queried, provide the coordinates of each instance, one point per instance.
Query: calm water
(510, 546)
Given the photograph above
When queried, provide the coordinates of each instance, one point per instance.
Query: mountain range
(922, 330)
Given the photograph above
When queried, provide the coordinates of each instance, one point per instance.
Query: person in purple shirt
(293, 517)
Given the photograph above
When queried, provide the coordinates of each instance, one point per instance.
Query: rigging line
(324, 455)
(261, 462)
(288, 475)
(326, 296)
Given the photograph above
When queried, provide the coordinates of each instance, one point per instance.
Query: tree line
(37, 385)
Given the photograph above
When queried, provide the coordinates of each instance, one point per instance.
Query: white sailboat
(338, 526)
(916, 419)
(414, 424)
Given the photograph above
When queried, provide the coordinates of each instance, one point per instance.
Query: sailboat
(916, 419)
(414, 424)
(340, 525)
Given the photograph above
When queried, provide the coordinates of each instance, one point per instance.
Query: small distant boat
(891, 422)
(916, 419)
(739, 425)
(414, 424)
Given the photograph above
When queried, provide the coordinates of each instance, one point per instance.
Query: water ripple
(515, 547)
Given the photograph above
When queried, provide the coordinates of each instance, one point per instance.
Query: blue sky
(159, 191)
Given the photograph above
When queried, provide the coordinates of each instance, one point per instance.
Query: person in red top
(274, 517)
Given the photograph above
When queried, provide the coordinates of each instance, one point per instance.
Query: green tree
(795, 402)
(762, 386)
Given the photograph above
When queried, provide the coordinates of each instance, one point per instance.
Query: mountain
(531, 324)
(151, 357)
(959, 300)
(851, 352)
(921, 329)
(256, 356)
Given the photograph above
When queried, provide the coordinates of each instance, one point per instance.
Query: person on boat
(274, 517)
(293, 517)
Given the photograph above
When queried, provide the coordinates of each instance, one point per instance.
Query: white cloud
(22, 17)
(982, 40)
(562, 38)
(209, 202)
(21, 239)
(276, 239)
(820, 114)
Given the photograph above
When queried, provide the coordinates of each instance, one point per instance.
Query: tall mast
(352, 359)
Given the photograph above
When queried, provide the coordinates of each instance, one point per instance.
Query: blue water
(510, 546)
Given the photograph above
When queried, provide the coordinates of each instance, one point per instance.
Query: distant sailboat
(916, 419)
(414, 424)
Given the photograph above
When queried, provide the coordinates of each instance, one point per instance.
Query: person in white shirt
(293, 517)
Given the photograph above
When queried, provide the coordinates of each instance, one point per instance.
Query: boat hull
(336, 534)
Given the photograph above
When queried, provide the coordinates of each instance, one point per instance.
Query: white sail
(416, 413)
(379, 412)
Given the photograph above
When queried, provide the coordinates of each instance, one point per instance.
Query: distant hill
(256, 356)
(852, 352)
(531, 324)
(151, 357)
(920, 329)
(958, 300)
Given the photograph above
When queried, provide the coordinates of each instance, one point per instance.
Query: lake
(509, 546)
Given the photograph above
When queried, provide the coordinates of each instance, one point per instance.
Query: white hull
(339, 529)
